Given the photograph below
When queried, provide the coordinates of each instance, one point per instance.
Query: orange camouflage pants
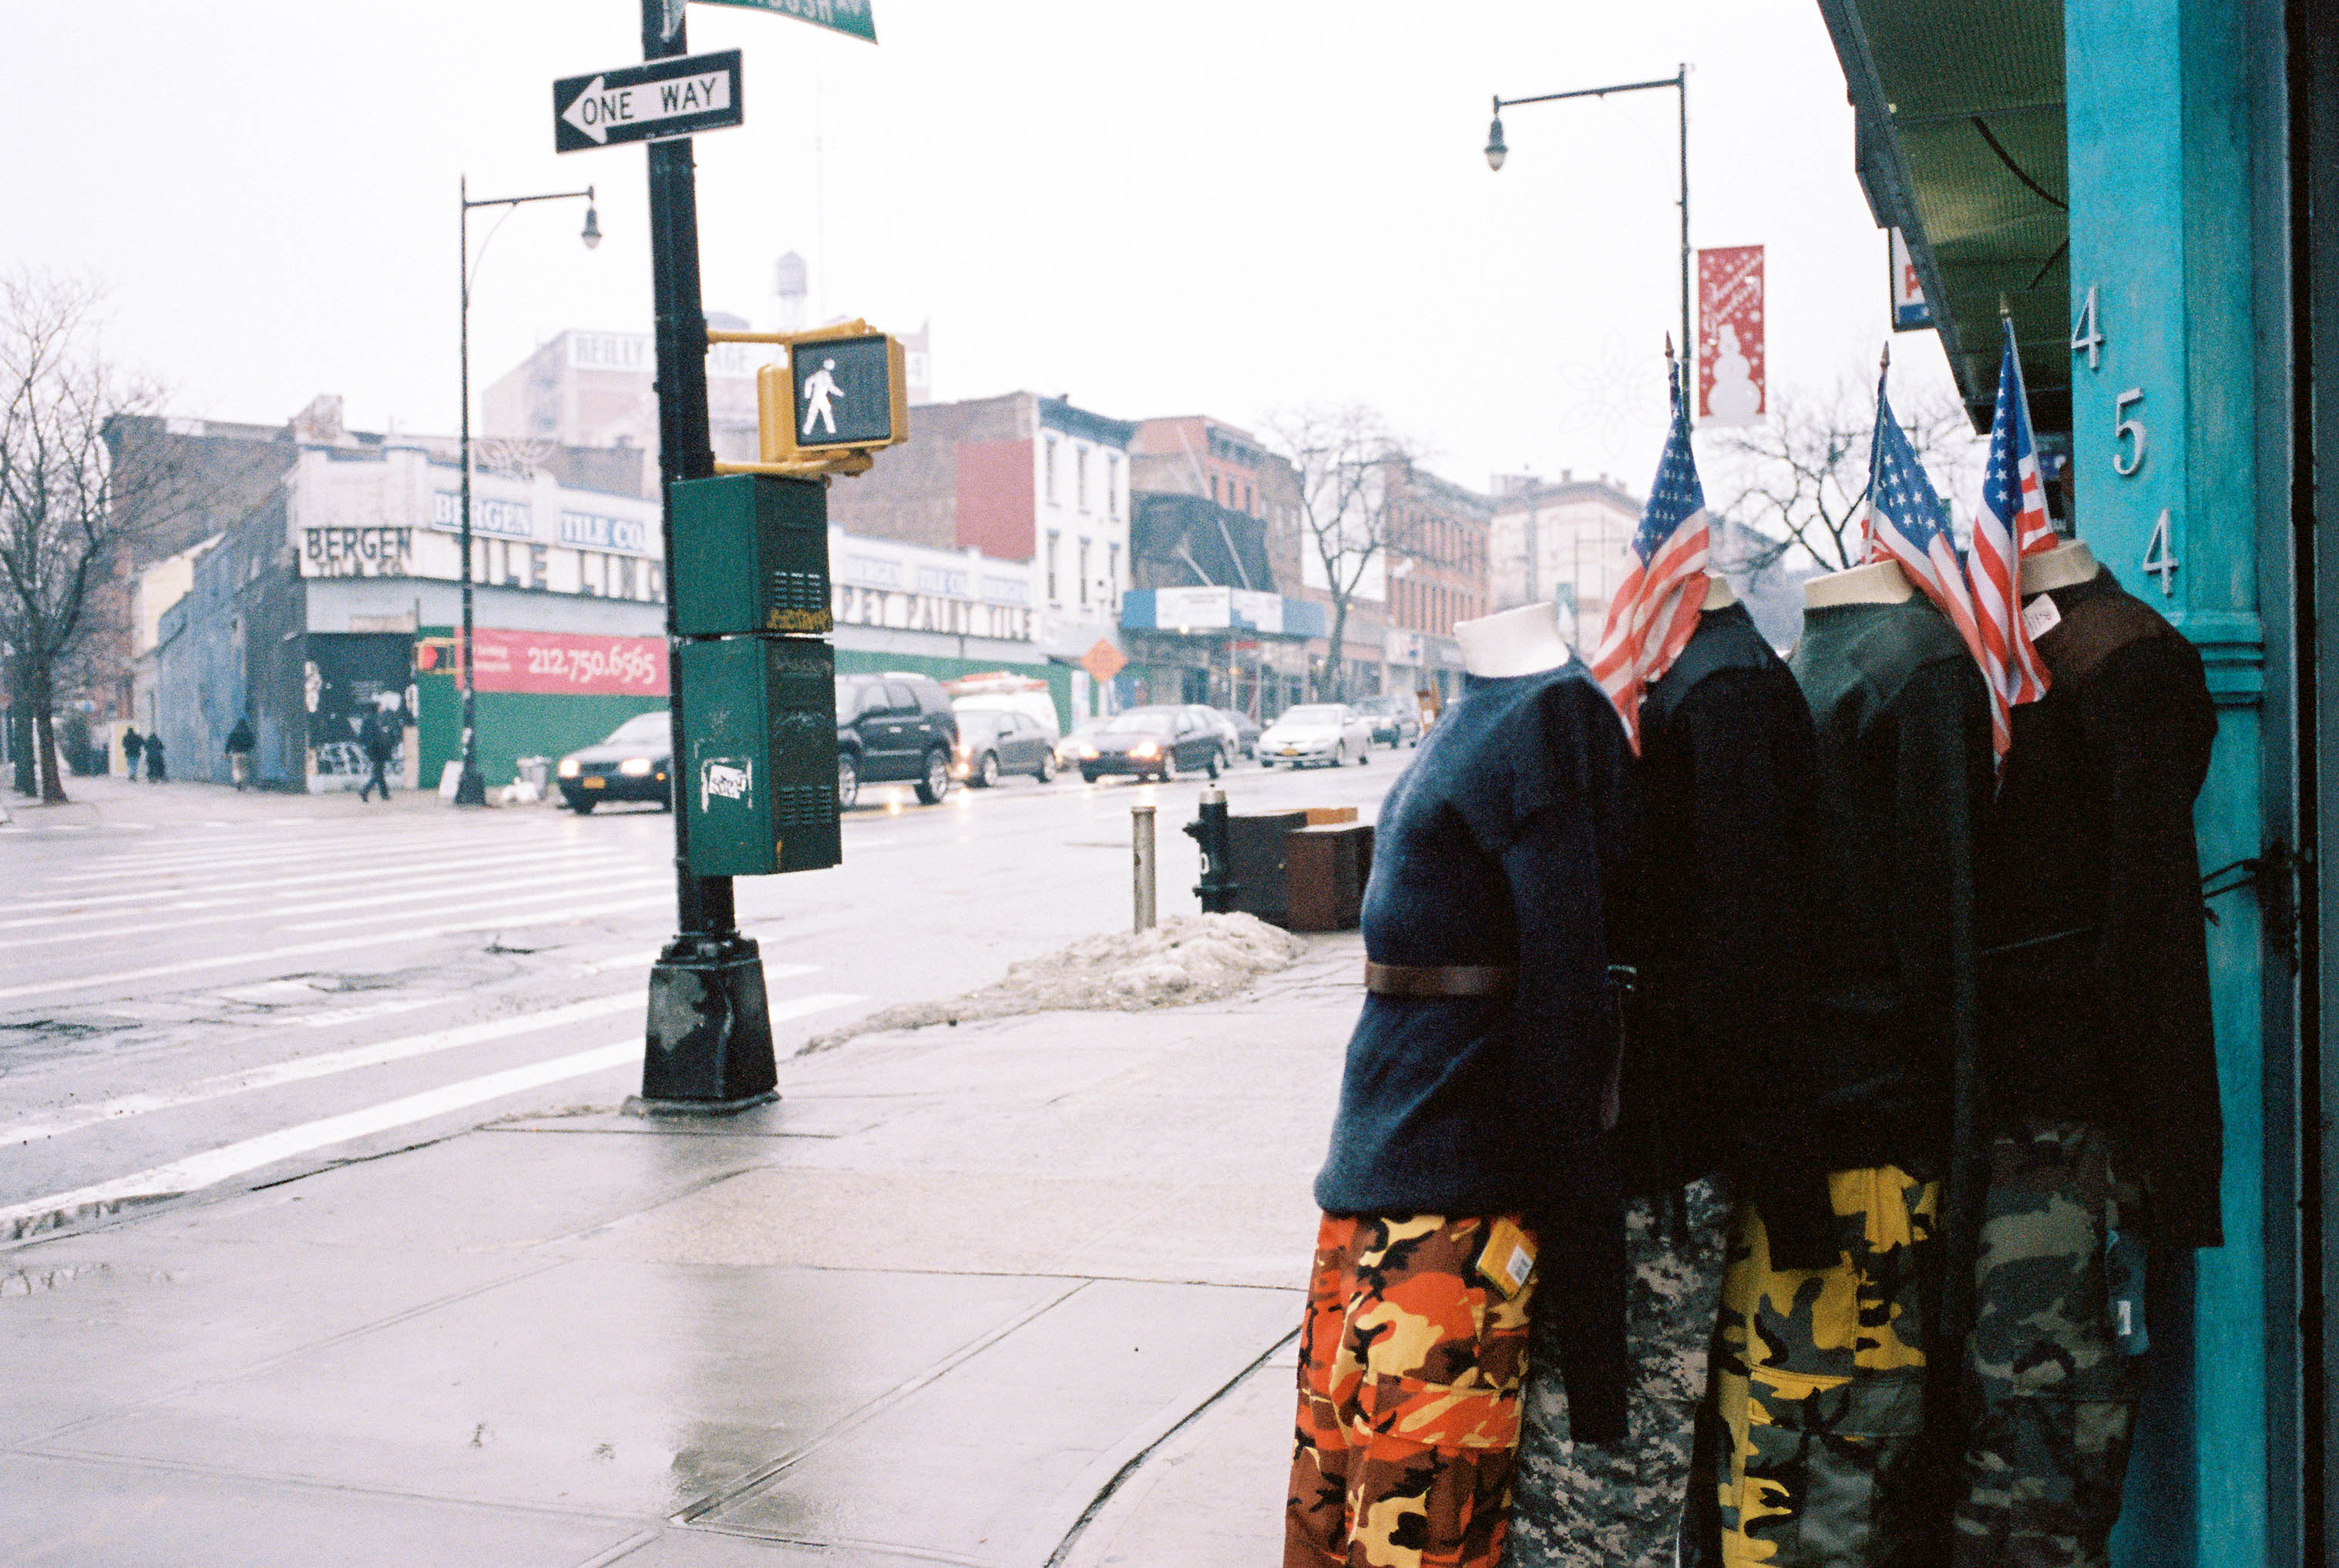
(1410, 1370)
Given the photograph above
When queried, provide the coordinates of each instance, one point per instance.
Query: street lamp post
(1497, 152)
(470, 789)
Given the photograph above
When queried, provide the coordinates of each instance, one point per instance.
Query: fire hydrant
(1217, 887)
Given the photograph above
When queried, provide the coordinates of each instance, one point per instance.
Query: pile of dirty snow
(1187, 958)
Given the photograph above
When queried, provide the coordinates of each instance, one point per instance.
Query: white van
(1038, 707)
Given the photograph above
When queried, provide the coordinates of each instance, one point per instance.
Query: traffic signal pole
(707, 1044)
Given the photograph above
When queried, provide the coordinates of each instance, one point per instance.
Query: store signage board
(850, 17)
(651, 103)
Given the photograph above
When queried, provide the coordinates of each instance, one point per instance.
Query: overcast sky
(1155, 207)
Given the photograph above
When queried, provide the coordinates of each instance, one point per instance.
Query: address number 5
(2125, 428)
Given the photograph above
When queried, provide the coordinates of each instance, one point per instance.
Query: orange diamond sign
(1103, 662)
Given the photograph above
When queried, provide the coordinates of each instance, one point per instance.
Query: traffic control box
(758, 787)
(750, 555)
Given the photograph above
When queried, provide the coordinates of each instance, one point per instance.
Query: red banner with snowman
(1730, 387)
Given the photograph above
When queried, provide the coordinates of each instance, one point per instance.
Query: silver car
(1331, 733)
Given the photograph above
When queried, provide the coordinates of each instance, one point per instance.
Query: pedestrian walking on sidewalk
(133, 743)
(155, 772)
(240, 743)
(379, 737)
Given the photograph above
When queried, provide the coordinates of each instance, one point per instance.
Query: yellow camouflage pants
(1818, 1384)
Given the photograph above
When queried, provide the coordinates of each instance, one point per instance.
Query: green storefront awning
(1959, 143)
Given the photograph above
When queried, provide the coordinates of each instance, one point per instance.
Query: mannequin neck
(1521, 642)
(1877, 583)
(2067, 566)
(1718, 595)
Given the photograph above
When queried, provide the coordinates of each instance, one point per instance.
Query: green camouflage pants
(1817, 1402)
(1619, 1505)
(2051, 1398)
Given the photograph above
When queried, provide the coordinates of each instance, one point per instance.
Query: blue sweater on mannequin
(1498, 846)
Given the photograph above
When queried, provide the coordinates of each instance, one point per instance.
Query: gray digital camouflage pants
(1619, 1505)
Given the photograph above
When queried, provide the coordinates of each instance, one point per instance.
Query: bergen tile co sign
(651, 103)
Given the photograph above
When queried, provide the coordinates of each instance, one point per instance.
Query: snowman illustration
(1734, 399)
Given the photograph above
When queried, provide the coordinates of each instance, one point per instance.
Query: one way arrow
(652, 102)
(576, 114)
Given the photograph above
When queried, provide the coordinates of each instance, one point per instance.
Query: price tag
(2040, 617)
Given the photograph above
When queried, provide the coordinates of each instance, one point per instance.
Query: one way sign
(651, 103)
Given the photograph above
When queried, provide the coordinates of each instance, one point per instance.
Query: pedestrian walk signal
(841, 393)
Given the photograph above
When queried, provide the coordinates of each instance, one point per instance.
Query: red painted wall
(996, 503)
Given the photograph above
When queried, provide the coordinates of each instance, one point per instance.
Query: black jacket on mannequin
(1711, 914)
(2096, 971)
(1904, 768)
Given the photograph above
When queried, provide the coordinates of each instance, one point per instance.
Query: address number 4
(2124, 428)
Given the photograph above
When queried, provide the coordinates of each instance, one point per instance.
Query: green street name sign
(838, 15)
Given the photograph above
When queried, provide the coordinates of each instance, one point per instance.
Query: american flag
(1908, 523)
(1657, 606)
(2012, 522)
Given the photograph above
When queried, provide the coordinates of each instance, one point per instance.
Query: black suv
(892, 727)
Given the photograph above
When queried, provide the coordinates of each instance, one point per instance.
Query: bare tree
(70, 506)
(1802, 475)
(1353, 474)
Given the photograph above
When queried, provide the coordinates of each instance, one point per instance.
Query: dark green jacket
(1904, 783)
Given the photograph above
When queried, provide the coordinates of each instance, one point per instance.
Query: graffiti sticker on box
(727, 778)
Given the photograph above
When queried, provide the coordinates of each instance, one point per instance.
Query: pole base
(707, 1046)
(653, 1109)
(470, 789)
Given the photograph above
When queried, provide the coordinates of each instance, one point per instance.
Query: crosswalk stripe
(200, 1170)
(300, 1068)
(530, 902)
(294, 871)
(438, 891)
(305, 949)
(22, 1219)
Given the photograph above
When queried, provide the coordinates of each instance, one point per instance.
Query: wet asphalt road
(200, 988)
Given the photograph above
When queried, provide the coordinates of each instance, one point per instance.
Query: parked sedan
(1154, 743)
(631, 764)
(1317, 733)
(1246, 730)
(1395, 720)
(995, 741)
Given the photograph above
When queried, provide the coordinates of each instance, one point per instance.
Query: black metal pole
(1689, 344)
(1679, 82)
(470, 788)
(707, 1045)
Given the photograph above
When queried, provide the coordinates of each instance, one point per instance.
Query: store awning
(1959, 141)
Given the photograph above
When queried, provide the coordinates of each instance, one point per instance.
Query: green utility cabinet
(759, 735)
(751, 554)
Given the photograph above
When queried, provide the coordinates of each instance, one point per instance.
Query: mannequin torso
(1877, 583)
(2066, 565)
(1521, 642)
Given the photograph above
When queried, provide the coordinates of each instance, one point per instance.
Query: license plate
(597, 784)
(1291, 751)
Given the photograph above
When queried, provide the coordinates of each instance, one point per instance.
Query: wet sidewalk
(1016, 1293)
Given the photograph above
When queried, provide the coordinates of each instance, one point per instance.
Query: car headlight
(1087, 751)
(1144, 749)
(635, 767)
(569, 768)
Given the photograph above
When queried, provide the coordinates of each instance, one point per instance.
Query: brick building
(1436, 575)
(1563, 541)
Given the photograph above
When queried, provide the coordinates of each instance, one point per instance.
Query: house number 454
(2130, 439)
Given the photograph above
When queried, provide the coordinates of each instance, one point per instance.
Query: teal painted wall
(1059, 678)
(2163, 225)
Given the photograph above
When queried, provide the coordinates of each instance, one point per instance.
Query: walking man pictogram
(818, 389)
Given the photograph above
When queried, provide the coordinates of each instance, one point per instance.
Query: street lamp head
(592, 234)
(1496, 150)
